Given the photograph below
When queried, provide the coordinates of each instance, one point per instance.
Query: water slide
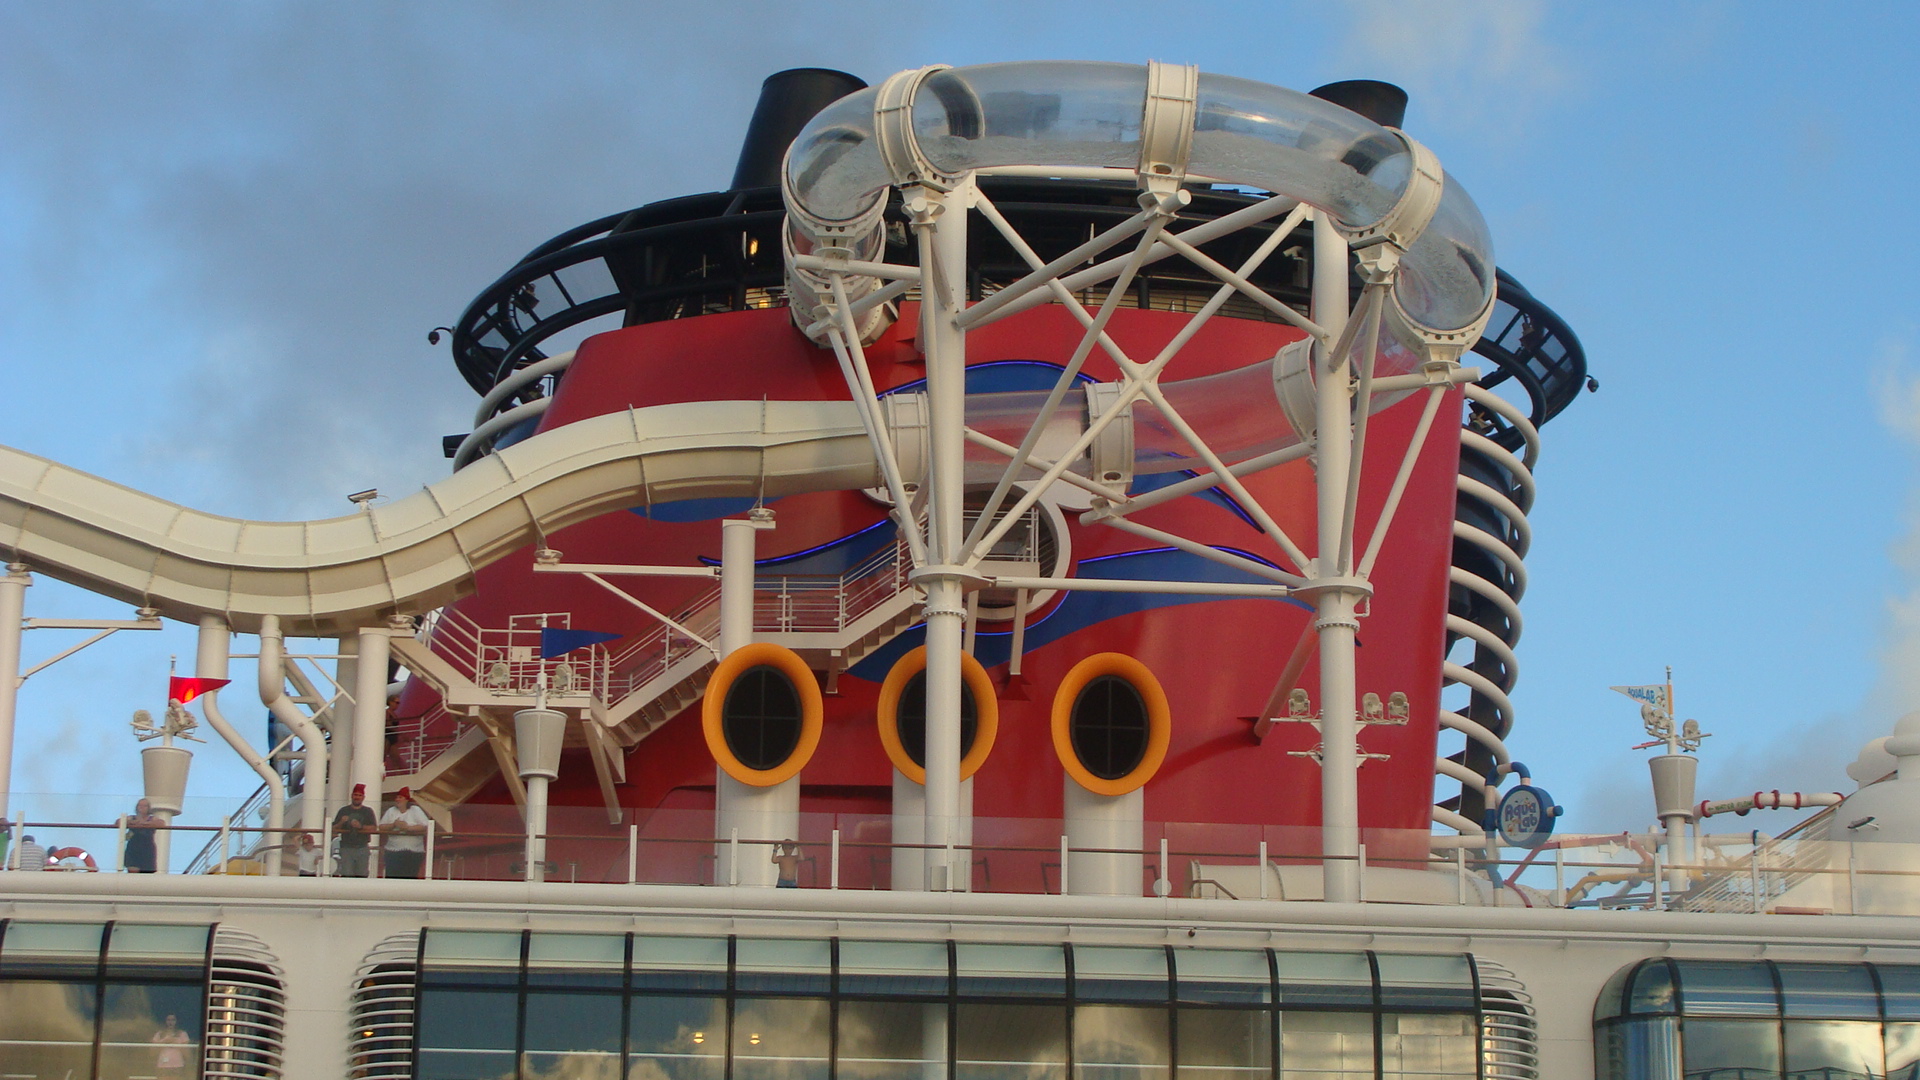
(419, 552)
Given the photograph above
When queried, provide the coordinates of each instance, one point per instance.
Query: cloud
(1482, 70)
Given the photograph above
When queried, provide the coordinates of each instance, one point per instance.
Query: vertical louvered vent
(380, 1046)
(246, 1009)
(1509, 1035)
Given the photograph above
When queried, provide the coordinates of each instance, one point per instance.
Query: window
(132, 994)
(535, 1006)
(1109, 727)
(1678, 1019)
(761, 717)
(911, 715)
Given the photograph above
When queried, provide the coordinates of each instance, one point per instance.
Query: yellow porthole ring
(788, 663)
(1159, 721)
(986, 713)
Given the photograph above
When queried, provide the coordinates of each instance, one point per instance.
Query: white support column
(13, 610)
(1335, 600)
(340, 727)
(1112, 826)
(743, 810)
(942, 219)
(369, 763)
(273, 694)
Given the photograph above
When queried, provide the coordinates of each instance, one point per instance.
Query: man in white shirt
(405, 826)
(28, 856)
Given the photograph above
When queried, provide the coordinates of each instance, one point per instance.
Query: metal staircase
(483, 676)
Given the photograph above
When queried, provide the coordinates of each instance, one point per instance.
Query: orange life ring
(57, 854)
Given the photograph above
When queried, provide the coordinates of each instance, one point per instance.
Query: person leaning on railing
(405, 826)
(142, 854)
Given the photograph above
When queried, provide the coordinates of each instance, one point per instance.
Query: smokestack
(1381, 102)
(788, 99)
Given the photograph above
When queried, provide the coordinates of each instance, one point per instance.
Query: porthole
(902, 715)
(1111, 724)
(762, 714)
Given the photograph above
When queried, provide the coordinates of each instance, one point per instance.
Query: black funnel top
(1381, 102)
(788, 99)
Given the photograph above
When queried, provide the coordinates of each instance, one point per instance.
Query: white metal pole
(536, 826)
(13, 610)
(943, 219)
(633, 853)
(341, 725)
(736, 584)
(369, 762)
(1335, 601)
(1264, 872)
(833, 878)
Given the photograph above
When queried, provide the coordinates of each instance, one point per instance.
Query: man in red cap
(353, 825)
(405, 826)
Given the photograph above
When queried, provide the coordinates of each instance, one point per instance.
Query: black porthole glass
(910, 718)
(1109, 727)
(760, 718)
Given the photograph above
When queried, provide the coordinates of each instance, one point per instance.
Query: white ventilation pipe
(746, 811)
(13, 606)
(341, 720)
(210, 662)
(369, 762)
(1768, 800)
(940, 124)
(1104, 838)
(910, 863)
(273, 694)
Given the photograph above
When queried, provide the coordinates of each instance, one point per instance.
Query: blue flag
(561, 642)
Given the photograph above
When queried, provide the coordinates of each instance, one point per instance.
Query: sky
(226, 230)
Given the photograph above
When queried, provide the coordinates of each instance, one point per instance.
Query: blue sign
(1525, 818)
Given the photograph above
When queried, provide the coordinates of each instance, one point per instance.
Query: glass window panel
(470, 947)
(1652, 990)
(1903, 1051)
(1010, 1042)
(1835, 1050)
(51, 948)
(467, 1033)
(136, 1037)
(780, 1039)
(1837, 991)
(669, 963)
(1011, 970)
(1121, 1042)
(572, 1036)
(1428, 1046)
(1226, 976)
(157, 951)
(1726, 988)
(46, 1028)
(891, 1040)
(1607, 1006)
(577, 961)
(894, 968)
(1730, 1049)
(1225, 1044)
(1325, 979)
(1638, 1050)
(1111, 973)
(677, 1038)
(1900, 989)
(1326, 1046)
(777, 966)
(1434, 982)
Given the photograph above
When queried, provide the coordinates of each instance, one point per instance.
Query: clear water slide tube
(1074, 115)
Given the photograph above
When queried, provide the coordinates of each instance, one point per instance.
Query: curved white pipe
(210, 662)
(1768, 800)
(937, 125)
(273, 694)
(1478, 733)
(514, 382)
(1459, 822)
(477, 440)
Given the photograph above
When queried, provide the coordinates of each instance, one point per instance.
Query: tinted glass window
(761, 717)
(1431, 1046)
(780, 1039)
(911, 717)
(1121, 1042)
(1840, 1049)
(1730, 1048)
(1727, 988)
(1317, 1045)
(892, 1040)
(1833, 991)
(1225, 1044)
(1011, 1042)
(1109, 727)
(677, 1038)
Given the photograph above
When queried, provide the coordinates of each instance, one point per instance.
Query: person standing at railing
(354, 825)
(405, 826)
(141, 855)
(28, 856)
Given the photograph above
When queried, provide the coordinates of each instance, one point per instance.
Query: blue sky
(225, 231)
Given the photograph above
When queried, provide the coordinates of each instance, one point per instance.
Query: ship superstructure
(974, 598)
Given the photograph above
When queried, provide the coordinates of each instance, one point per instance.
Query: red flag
(185, 690)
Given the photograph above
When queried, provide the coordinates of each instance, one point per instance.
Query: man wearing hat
(353, 825)
(405, 826)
